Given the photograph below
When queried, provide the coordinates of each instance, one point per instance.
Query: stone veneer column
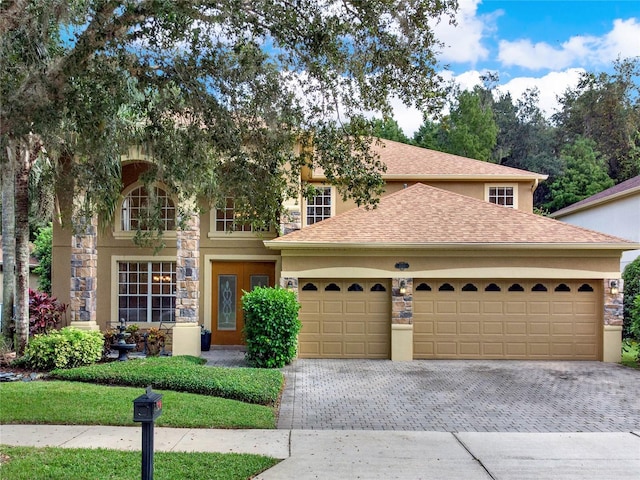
(402, 320)
(84, 270)
(186, 332)
(613, 319)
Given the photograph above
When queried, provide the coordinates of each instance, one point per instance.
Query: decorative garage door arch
(344, 318)
(507, 319)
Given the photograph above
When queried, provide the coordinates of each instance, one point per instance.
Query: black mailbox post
(146, 408)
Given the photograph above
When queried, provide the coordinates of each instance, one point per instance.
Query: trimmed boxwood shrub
(66, 348)
(271, 326)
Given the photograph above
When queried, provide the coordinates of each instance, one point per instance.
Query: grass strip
(73, 403)
(28, 463)
(630, 353)
(181, 374)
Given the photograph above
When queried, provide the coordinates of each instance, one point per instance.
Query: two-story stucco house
(451, 264)
(615, 211)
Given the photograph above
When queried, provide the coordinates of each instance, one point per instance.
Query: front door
(230, 279)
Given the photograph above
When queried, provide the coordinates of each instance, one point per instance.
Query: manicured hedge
(184, 374)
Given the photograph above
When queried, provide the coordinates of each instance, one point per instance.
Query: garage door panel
(331, 307)
(446, 307)
(539, 308)
(489, 307)
(516, 319)
(469, 307)
(355, 307)
(539, 328)
(469, 328)
(515, 308)
(562, 308)
(353, 322)
(331, 327)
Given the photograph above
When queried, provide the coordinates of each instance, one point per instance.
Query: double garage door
(507, 319)
(345, 318)
(474, 319)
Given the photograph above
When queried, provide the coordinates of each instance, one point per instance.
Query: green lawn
(28, 463)
(75, 403)
(630, 353)
(97, 398)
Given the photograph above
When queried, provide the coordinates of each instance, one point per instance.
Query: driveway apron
(460, 396)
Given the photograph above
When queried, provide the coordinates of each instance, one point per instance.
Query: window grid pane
(135, 205)
(501, 196)
(226, 216)
(146, 291)
(319, 207)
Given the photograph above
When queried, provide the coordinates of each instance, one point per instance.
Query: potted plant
(205, 339)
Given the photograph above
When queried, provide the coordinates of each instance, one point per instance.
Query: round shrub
(66, 348)
(271, 326)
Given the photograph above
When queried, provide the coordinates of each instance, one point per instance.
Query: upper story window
(135, 210)
(226, 220)
(319, 207)
(502, 195)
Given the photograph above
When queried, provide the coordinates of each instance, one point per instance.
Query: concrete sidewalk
(351, 454)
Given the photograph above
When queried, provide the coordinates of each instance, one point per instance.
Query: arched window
(136, 209)
(585, 287)
(469, 287)
(423, 287)
(563, 287)
(516, 287)
(378, 287)
(492, 287)
(446, 287)
(332, 287)
(538, 287)
(355, 287)
(310, 287)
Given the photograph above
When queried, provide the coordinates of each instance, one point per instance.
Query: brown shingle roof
(620, 190)
(424, 215)
(409, 161)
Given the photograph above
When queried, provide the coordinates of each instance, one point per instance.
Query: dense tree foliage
(585, 174)
(590, 143)
(216, 92)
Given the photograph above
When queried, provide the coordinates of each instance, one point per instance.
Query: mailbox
(147, 407)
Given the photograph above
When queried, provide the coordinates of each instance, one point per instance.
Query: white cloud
(463, 41)
(584, 50)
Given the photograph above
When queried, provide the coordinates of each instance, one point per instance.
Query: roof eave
(594, 203)
(279, 245)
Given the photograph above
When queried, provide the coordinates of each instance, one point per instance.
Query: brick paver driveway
(461, 396)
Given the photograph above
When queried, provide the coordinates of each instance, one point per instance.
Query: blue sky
(534, 43)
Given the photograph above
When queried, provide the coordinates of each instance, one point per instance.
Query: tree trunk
(26, 150)
(8, 242)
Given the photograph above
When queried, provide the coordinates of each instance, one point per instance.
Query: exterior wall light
(290, 285)
(403, 287)
(614, 287)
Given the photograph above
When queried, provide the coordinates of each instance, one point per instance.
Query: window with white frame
(147, 291)
(502, 195)
(134, 213)
(319, 207)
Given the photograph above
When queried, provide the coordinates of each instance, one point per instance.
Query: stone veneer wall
(402, 305)
(187, 271)
(613, 304)
(84, 270)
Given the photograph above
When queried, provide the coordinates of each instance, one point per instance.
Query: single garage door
(345, 318)
(507, 319)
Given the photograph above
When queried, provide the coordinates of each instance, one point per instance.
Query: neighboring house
(615, 211)
(451, 264)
